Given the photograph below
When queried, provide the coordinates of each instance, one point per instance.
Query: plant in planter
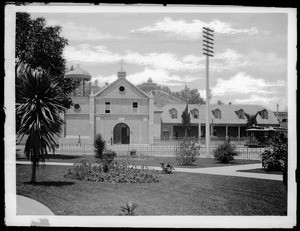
(225, 152)
(167, 169)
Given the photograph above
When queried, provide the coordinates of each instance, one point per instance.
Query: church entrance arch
(121, 134)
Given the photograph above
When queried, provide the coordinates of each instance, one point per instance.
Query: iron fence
(147, 150)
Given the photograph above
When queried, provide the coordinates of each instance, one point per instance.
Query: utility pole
(208, 51)
(277, 111)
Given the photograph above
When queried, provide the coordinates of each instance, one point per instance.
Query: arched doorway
(121, 134)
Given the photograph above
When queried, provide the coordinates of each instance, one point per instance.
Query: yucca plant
(99, 146)
(38, 104)
(128, 208)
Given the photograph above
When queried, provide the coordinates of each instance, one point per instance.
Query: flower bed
(117, 173)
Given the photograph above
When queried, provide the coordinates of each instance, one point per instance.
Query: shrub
(99, 146)
(128, 208)
(167, 169)
(274, 156)
(116, 173)
(225, 152)
(188, 151)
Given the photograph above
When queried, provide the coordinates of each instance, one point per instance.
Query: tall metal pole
(208, 51)
(207, 126)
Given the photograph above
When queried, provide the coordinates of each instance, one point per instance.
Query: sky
(250, 51)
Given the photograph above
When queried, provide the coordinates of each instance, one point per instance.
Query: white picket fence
(147, 150)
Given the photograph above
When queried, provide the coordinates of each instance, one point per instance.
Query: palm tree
(251, 119)
(38, 104)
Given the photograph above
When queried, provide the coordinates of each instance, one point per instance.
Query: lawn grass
(149, 161)
(175, 194)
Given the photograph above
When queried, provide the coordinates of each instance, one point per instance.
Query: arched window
(240, 114)
(217, 113)
(173, 113)
(195, 113)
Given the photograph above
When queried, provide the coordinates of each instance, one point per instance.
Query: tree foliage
(39, 46)
(274, 157)
(186, 120)
(38, 104)
(191, 96)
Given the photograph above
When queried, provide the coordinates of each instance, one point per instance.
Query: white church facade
(121, 113)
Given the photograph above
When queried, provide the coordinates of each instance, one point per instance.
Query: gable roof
(228, 115)
(109, 88)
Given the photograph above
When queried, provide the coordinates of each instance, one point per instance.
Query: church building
(120, 112)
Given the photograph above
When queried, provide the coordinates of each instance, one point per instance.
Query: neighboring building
(124, 114)
(226, 120)
(282, 118)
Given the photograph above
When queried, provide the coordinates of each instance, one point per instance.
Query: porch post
(226, 130)
(239, 132)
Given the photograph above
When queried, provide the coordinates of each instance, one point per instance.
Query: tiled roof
(228, 115)
(78, 73)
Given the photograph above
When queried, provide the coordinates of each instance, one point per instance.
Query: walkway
(27, 206)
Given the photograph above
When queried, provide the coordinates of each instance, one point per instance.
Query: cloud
(168, 61)
(103, 79)
(183, 30)
(159, 76)
(80, 32)
(244, 84)
(84, 53)
(101, 55)
(256, 99)
(231, 60)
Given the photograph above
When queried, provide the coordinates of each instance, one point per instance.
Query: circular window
(122, 89)
(76, 106)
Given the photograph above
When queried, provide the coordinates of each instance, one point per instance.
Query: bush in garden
(116, 173)
(225, 152)
(273, 158)
(188, 151)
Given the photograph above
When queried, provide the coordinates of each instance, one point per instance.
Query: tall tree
(251, 119)
(39, 46)
(191, 96)
(38, 104)
(186, 120)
